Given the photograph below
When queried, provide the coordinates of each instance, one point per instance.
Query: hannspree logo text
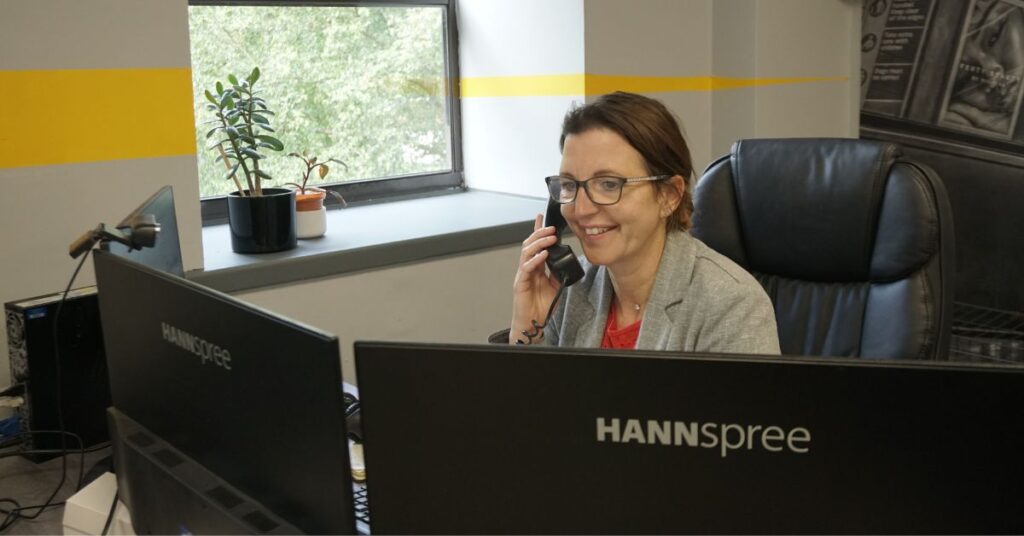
(709, 435)
(205, 350)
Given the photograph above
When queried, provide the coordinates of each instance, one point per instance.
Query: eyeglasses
(600, 190)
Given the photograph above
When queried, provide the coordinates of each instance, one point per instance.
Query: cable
(13, 441)
(17, 389)
(81, 449)
(16, 513)
(538, 328)
(110, 516)
(98, 447)
(54, 451)
(17, 506)
(18, 439)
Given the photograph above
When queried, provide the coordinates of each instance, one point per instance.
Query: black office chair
(853, 244)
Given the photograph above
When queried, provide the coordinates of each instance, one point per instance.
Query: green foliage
(242, 122)
(364, 82)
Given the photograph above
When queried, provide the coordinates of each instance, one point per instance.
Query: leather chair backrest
(853, 244)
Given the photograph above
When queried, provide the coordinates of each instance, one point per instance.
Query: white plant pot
(311, 223)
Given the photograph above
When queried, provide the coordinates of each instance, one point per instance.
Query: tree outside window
(366, 85)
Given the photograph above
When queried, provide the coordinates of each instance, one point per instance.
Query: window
(366, 82)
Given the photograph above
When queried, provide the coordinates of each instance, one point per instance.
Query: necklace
(636, 307)
(624, 306)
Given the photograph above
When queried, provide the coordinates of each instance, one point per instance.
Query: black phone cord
(538, 328)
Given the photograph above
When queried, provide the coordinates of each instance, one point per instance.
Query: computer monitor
(249, 396)
(165, 255)
(83, 374)
(500, 439)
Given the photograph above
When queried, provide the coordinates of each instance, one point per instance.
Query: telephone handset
(561, 260)
(563, 265)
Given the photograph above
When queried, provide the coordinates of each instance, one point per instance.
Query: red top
(614, 337)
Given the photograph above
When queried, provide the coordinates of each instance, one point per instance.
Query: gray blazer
(701, 302)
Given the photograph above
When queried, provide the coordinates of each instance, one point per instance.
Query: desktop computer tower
(84, 388)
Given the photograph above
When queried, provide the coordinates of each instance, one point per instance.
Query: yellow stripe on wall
(523, 86)
(597, 84)
(69, 116)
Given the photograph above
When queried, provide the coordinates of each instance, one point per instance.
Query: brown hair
(651, 129)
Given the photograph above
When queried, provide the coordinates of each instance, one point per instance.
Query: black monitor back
(253, 397)
(83, 385)
(165, 254)
(498, 439)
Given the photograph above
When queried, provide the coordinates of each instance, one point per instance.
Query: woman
(648, 284)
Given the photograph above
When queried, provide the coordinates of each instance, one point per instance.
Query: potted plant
(261, 219)
(311, 215)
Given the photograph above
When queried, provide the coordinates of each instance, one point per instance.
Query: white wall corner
(510, 142)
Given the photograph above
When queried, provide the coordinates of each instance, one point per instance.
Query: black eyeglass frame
(623, 181)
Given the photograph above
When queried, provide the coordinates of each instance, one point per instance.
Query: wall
(460, 299)
(524, 63)
(809, 40)
(147, 38)
(95, 103)
(508, 50)
(986, 197)
(971, 52)
(732, 69)
(669, 39)
(509, 145)
(728, 69)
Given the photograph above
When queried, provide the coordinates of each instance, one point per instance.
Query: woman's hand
(534, 288)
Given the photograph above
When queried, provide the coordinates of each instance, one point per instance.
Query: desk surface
(31, 484)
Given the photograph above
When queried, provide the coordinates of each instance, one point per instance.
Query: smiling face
(629, 235)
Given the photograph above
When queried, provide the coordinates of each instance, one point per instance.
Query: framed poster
(984, 92)
(892, 41)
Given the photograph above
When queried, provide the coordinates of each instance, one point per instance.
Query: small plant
(242, 119)
(312, 162)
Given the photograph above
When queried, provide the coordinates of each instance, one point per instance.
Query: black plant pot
(262, 224)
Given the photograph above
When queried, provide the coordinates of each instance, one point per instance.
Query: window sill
(374, 236)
